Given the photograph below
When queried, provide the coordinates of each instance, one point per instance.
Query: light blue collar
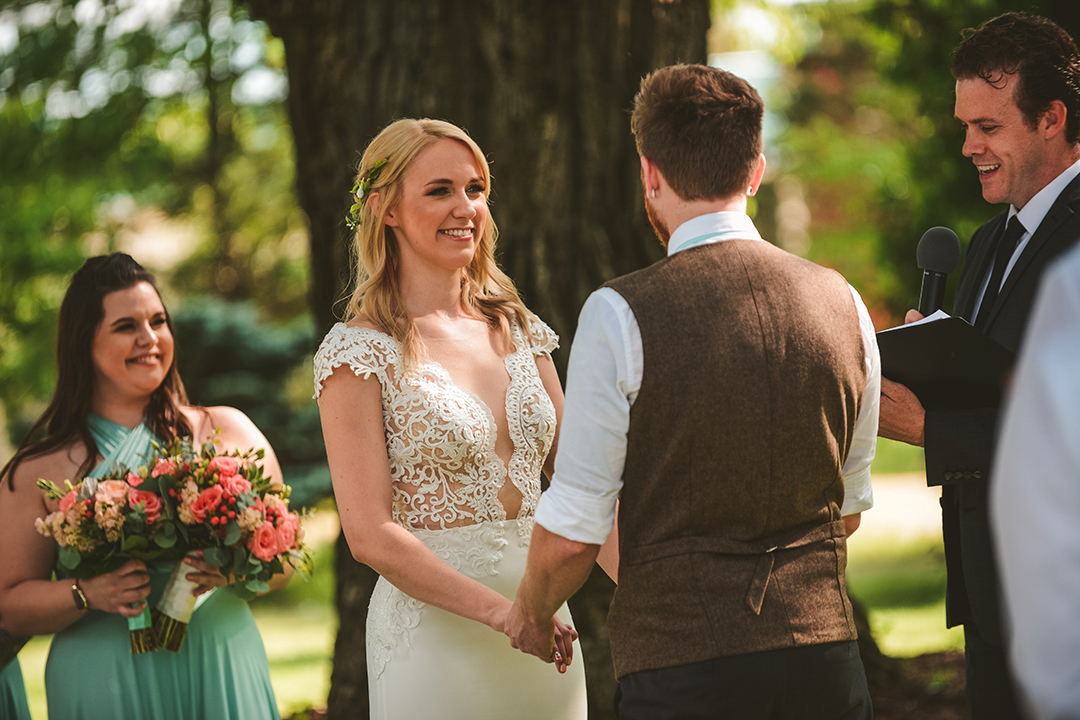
(710, 228)
(116, 443)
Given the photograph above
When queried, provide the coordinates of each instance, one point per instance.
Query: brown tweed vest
(730, 535)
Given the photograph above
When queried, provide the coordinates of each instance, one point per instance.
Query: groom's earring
(652, 193)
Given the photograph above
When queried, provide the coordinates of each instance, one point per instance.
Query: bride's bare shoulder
(361, 323)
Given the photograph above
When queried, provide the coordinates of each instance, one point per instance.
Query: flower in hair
(360, 194)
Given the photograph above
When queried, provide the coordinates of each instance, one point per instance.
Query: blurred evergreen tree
(227, 355)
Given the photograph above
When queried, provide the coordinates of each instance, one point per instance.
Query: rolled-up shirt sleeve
(602, 380)
(858, 493)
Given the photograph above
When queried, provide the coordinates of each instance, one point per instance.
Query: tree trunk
(545, 89)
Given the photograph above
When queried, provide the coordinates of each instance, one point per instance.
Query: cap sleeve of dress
(545, 341)
(365, 351)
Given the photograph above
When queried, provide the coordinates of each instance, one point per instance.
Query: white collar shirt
(1031, 217)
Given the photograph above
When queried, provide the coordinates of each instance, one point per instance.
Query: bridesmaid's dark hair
(82, 310)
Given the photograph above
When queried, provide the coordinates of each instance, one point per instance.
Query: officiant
(1018, 99)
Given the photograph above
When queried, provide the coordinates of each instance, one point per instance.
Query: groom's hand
(530, 635)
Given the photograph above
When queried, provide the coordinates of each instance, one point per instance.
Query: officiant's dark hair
(81, 312)
(1038, 52)
(701, 126)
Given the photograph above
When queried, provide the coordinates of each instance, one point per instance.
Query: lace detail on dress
(391, 614)
(534, 421)
(440, 441)
(546, 341)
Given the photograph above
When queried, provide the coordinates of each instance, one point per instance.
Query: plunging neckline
(442, 371)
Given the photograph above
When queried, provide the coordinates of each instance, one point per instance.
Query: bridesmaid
(117, 390)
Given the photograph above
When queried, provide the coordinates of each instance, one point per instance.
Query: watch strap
(81, 603)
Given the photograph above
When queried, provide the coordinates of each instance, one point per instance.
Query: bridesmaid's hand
(206, 576)
(121, 591)
(563, 652)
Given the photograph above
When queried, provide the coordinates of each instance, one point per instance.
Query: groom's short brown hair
(701, 126)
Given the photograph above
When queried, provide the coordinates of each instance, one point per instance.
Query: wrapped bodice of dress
(440, 437)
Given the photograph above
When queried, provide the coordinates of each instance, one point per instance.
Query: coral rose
(163, 467)
(286, 532)
(111, 492)
(134, 480)
(67, 501)
(226, 466)
(235, 485)
(264, 543)
(151, 502)
(208, 499)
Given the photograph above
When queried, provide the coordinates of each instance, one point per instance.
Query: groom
(727, 398)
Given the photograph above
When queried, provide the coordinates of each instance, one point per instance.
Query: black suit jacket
(960, 443)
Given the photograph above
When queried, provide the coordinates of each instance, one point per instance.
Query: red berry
(232, 514)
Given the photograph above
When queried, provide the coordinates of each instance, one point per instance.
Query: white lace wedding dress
(424, 662)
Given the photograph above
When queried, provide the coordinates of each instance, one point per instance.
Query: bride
(439, 405)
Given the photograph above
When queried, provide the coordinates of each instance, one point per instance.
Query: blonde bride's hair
(377, 297)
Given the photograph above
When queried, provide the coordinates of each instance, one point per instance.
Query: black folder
(947, 363)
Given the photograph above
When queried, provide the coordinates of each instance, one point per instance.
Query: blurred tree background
(164, 128)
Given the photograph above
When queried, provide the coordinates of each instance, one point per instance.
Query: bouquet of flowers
(101, 524)
(224, 506)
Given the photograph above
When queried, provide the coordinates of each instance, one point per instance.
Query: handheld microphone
(938, 255)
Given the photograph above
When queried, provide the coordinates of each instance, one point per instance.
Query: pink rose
(207, 501)
(151, 502)
(226, 466)
(111, 491)
(264, 542)
(67, 501)
(134, 480)
(163, 467)
(235, 485)
(286, 533)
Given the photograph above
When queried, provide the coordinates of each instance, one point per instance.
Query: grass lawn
(902, 585)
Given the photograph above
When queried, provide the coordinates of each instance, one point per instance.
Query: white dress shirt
(1035, 500)
(603, 379)
(1031, 217)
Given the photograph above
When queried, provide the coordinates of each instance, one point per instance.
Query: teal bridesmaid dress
(221, 672)
(13, 693)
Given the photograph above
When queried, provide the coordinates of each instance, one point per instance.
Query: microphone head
(938, 251)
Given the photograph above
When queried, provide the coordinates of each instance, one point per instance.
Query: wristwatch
(81, 603)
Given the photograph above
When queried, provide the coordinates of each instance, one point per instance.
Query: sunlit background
(158, 127)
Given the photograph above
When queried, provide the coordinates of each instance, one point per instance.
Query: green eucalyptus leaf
(240, 557)
(69, 557)
(232, 533)
(215, 556)
(257, 586)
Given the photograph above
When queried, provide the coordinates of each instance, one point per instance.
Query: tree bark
(545, 88)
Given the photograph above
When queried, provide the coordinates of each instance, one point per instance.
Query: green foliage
(110, 113)
(872, 136)
(896, 457)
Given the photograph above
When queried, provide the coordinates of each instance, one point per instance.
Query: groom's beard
(659, 227)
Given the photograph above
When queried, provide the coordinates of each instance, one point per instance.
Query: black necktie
(1006, 246)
